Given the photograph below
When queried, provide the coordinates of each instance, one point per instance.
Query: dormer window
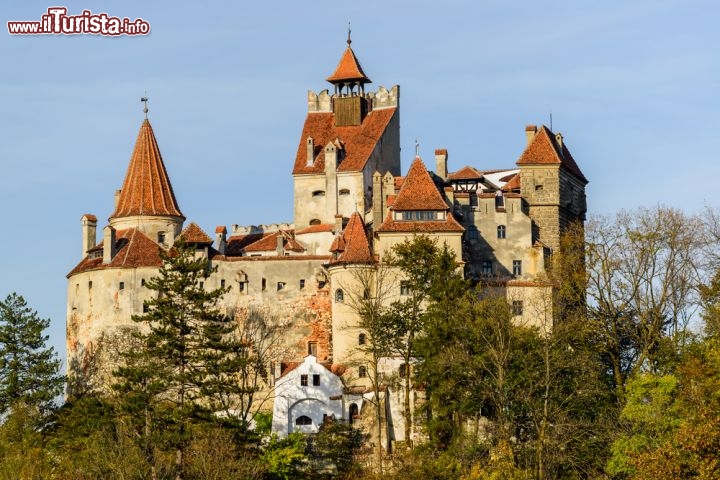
(419, 215)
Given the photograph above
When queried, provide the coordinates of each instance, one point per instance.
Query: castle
(351, 205)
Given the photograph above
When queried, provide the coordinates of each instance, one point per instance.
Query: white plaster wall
(293, 400)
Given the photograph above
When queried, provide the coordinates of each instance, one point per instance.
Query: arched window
(353, 412)
(339, 296)
(315, 221)
(344, 191)
(303, 420)
(501, 231)
(318, 193)
(362, 339)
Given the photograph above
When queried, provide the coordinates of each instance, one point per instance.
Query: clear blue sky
(632, 85)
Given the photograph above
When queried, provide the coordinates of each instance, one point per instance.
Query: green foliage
(22, 449)
(285, 458)
(336, 444)
(185, 358)
(28, 368)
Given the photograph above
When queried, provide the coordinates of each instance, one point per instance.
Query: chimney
(108, 244)
(117, 197)
(377, 200)
(220, 238)
(89, 232)
(280, 248)
(530, 132)
(559, 140)
(310, 152)
(441, 157)
(338, 224)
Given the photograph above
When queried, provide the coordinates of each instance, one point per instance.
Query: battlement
(382, 98)
(250, 229)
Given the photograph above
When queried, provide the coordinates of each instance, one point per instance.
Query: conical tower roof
(352, 245)
(146, 189)
(349, 69)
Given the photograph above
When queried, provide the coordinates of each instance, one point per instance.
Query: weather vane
(348, 40)
(417, 148)
(144, 100)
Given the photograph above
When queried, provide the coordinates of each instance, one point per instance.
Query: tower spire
(144, 100)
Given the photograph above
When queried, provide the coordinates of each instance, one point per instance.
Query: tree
(187, 356)
(642, 278)
(28, 368)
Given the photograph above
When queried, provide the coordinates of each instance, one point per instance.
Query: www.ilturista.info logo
(58, 22)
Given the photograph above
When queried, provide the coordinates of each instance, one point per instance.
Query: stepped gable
(133, 249)
(545, 150)
(194, 234)
(418, 191)
(348, 69)
(358, 141)
(352, 246)
(146, 189)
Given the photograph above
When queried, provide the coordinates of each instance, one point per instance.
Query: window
(222, 283)
(302, 283)
(316, 380)
(472, 232)
(499, 200)
(419, 215)
(315, 221)
(280, 286)
(161, 237)
(202, 284)
(517, 267)
(90, 285)
(122, 285)
(353, 412)
(501, 231)
(303, 420)
(146, 309)
(303, 380)
(264, 284)
(344, 191)
(366, 294)
(321, 284)
(142, 282)
(241, 286)
(404, 288)
(538, 188)
(318, 193)
(362, 339)
(362, 372)
(339, 296)
(312, 349)
(402, 370)
(486, 268)
(517, 307)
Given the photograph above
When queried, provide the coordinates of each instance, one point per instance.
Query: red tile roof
(146, 189)
(194, 234)
(134, 249)
(325, 227)
(353, 246)
(221, 229)
(465, 173)
(447, 225)
(268, 243)
(419, 191)
(348, 69)
(359, 141)
(513, 183)
(544, 150)
(237, 243)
